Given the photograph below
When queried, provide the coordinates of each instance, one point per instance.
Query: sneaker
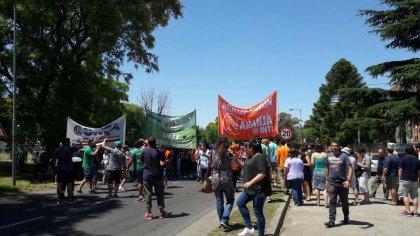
(122, 189)
(148, 216)
(268, 199)
(416, 214)
(92, 191)
(164, 214)
(392, 203)
(139, 199)
(346, 221)
(108, 197)
(329, 224)
(275, 185)
(406, 213)
(115, 195)
(79, 191)
(364, 202)
(246, 231)
(225, 227)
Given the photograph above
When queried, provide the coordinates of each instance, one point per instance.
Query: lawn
(237, 222)
(24, 182)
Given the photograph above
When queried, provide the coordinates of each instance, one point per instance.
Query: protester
(126, 176)
(139, 166)
(22, 157)
(353, 180)
(257, 182)
(305, 156)
(409, 175)
(390, 175)
(273, 161)
(64, 166)
(222, 182)
(236, 169)
(87, 165)
(293, 169)
(338, 181)
(117, 164)
(364, 161)
(282, 153)
(203, 156)
(318, 161)
(153, 178)
(167, 165)
(97, 160)
(378, 180)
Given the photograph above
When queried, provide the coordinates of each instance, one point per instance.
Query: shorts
(95, 172)
(353, 184)
(114, 176)
(139, 174)
(88, 174)
(391, 182)
(363, 185)
(408, 188)
(274, 167)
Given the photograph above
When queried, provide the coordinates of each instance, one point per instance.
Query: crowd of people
(306, 173)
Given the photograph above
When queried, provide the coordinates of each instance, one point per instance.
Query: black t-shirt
(253, 167)
(151, 158)
(410, 166)
(391, 162)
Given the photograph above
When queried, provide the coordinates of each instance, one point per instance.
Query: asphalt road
(92, 214)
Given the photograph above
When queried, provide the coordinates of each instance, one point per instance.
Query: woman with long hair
(222, 182)
(307, 175)
(293, 168)
(318, 161)
(257, 186)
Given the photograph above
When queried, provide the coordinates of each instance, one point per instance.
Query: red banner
(243, 124)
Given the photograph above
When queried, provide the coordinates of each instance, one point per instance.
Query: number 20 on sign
(287, 133)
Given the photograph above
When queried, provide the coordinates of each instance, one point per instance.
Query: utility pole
(14, 98)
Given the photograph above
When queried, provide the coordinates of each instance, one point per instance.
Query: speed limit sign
(286, 133)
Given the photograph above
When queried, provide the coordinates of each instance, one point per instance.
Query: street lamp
(300, 122)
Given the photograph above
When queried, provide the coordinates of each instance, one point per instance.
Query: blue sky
(244, 50)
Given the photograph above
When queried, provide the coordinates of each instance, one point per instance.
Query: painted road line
(22, 222)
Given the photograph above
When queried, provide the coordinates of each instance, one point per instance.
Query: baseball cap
(346, 150)
(118, 143)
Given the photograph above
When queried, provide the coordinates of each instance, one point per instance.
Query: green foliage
(330, 111)
(135, 117)
(210, 133)
(69, 55)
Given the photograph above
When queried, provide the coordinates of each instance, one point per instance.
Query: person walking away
(153, 178)
(353, 180)
(236, 169)
(116, 166)
(63, 158)
(129, 168)
(222, 181)
(166, 165)
(319, 176)
(282, 153)
(87, 165)
(257, 187)
(390, 175)
(364, 161)
(273, 161)
(293, 169)
(409, 176)
(339, 172)
(136, 152)
(378, 180)
(307, 175)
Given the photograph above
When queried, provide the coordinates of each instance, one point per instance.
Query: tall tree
(135, 122)
(396, 109)
(69, 55)
(329, 111)
(399, 26)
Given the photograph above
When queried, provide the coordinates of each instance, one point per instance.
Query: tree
(69, 55)
(135, 122)
(330, 112)
(163, 101)
(393, 109)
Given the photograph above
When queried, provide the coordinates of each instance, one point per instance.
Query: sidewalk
(377, 218)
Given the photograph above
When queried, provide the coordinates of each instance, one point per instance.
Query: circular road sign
(286, 133)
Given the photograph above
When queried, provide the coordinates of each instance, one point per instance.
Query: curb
(281, 212)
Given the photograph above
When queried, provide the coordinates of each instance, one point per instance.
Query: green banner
(172, 131)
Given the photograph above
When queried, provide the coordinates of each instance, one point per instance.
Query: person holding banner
(87, 165)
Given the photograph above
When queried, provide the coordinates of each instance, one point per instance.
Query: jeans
(223, 211)
(296, 186)
(258, 205)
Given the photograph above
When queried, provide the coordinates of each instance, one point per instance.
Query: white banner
(114, 131)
